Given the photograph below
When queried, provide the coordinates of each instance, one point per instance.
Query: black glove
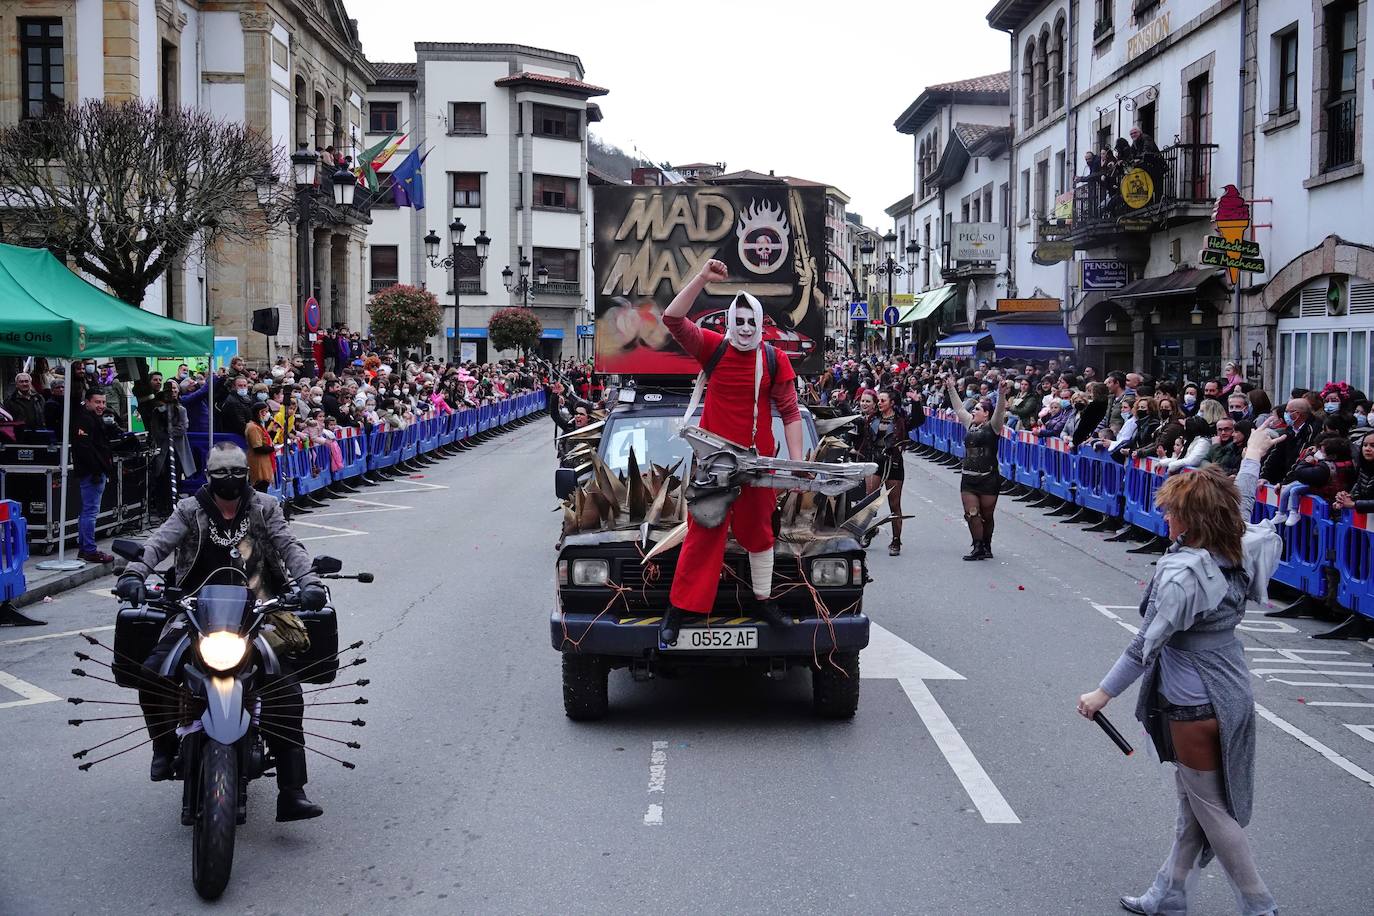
(130, 588)
(313, 597)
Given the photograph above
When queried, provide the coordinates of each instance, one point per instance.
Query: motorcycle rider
(230, 534)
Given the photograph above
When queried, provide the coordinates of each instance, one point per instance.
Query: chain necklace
(232, 537)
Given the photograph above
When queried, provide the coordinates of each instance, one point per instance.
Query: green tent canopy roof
(926, 304)
(46, 310)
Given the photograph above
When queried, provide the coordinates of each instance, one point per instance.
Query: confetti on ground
(1020, 588)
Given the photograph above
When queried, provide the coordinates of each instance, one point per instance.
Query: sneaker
(1292, 519)
(95, 556)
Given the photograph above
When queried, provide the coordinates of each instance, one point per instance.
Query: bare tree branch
(124, 189)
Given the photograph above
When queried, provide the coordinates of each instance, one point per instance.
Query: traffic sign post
(858, 311)
(891, 315)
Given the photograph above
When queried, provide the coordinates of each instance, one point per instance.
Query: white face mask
(744, 322)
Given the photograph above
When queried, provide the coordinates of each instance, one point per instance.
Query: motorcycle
(223, 666)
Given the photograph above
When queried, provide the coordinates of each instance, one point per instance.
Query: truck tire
(585, 694)
(835, 694)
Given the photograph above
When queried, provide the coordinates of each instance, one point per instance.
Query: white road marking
(658, 779)
(1296, 654)
(315, 515)
(15, 642)
(1103, 610)
(416, 487)
(32, 695)
(888, 656)
(341, 532)
(1283, 724)
(1358, 772)
(1339, 703)
(1364, 731)
(1258, 671)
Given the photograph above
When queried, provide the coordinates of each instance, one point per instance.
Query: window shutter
(1312, 301)
(1362, 298)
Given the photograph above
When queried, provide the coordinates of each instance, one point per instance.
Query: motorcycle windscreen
(221, 607)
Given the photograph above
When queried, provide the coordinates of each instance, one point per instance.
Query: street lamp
(890, 267)
(522, 287)
(866, 250)
(481, 245)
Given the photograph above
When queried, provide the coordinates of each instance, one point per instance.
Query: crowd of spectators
(1325, 442)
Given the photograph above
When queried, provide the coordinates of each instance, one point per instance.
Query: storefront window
(1300, 372)
(1359, 367)
(1321, 368)
(1340, 357)
(1285, 374)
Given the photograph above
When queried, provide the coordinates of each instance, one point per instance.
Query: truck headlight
(223, 650)
(590, 572)
(830, 571)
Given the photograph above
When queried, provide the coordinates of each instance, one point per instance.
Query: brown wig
(1206, 503)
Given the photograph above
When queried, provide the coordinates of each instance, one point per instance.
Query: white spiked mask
(744, 322)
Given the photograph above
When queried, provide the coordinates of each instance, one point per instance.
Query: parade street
(966, 784)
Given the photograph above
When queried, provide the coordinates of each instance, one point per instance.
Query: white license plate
(703, 639)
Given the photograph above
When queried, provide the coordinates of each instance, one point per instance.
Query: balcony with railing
(1340, 132)
(1155, 192)
(377, 284)
(559, 288)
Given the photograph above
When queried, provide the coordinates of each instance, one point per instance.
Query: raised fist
(714, 271)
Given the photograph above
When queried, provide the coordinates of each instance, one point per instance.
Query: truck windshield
(655, 438)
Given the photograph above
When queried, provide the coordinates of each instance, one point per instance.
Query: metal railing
(1180, 174)
(1340, 132)
(376, 285)
(560, 288)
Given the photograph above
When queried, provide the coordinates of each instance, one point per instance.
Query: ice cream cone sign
(1232, 217)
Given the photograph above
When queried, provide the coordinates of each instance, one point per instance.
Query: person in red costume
(738, 399)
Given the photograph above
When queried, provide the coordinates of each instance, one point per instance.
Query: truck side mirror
(564, 482)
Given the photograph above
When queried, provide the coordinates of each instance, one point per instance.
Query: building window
(964, 211)
(465, 264)
(467, 189)
(1102, 21)
(1145, 116)
(1028, 87)
(385, 266)
(555, 191)
(1042, 72)
(925, 257)
(382, 117)
(168, 95)
(1025, 193)
(338, 130)
(1058, 173)
(1341, 21)
(1286, 70)
(465, 118)
(560, 262)
(562, 123)
(987, 204)
(42, 67)
(1042, 188)
(1057, 60)
(1006, 205)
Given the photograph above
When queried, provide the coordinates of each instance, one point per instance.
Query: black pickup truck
(608, 605)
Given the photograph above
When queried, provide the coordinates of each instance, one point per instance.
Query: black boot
(10, 617)
(667, 630)
(292, 805)
(987, 549)
(773, 615)
(977, 553)
(164, 758)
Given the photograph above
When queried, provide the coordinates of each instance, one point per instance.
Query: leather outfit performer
(227, 524)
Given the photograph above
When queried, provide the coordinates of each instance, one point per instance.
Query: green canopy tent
(46, 310)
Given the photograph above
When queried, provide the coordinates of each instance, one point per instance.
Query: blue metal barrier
(1142, 479)
(1306, 545)
(354, 450)
(1028, 463)
(1099, 481)
(14, 550)
(1354, 543)
(1006, 454)
(1057, 468)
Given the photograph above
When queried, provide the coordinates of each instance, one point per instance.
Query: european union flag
(407, 182)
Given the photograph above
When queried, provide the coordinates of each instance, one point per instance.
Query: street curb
(64, 583)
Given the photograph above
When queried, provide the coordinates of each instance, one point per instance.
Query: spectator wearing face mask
(1190, 400)
(235, 411)
(1300, 432)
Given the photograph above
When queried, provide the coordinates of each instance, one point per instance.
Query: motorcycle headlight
(223, 650)
(830, 571)
(590, 572)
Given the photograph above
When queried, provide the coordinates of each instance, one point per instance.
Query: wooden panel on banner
(650, 241)
(1028, 305)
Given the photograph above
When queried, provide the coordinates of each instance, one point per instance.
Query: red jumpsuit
(727, 413)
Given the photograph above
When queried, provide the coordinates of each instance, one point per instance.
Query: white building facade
(959, 177)
(505, 130)
(1269, 98)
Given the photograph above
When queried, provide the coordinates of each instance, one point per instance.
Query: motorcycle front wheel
(212, 839)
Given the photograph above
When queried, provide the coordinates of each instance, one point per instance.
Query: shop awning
(1023, 340)
(962, 344)
(46, 310)
(926, 304)
(1179, 283)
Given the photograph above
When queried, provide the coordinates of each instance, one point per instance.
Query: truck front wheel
(835, 693)
(585, 694)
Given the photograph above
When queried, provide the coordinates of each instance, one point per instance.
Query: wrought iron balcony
(559, 288)
(1340, 132)
(376, 285)
(1176, 187)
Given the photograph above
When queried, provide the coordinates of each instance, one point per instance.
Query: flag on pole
(407, 182)
(376, 156)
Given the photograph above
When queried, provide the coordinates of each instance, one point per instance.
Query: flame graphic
(762, 215)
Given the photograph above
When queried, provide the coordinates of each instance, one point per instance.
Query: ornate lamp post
(522, 287)
(481, 245)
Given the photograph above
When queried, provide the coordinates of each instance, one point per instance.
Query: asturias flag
(374, 157)
(407, 182)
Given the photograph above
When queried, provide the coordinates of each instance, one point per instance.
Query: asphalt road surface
(965, 785)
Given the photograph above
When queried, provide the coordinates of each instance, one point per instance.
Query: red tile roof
(394, 71)
(993, 82)
(552, 82)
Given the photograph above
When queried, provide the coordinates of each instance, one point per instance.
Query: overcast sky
(804, 88)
